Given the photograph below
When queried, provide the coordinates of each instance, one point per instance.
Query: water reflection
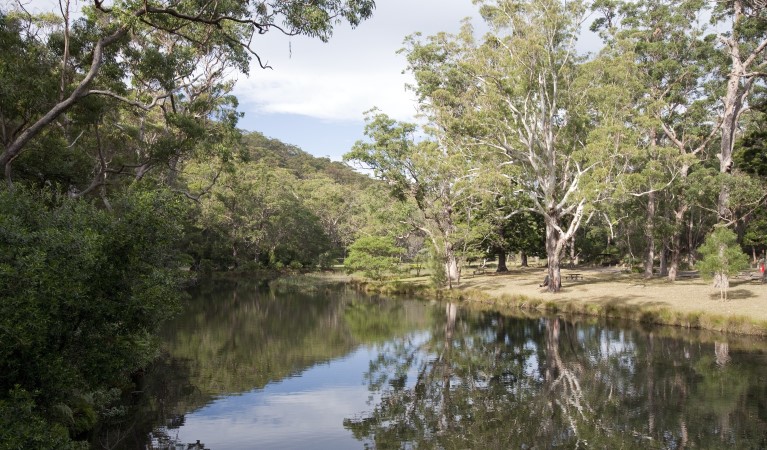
(323, 367)
(492, 381)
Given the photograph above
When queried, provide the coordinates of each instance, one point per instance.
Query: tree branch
(12, 151)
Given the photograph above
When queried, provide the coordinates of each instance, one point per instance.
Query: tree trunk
(676, 242)
(725, 166)
(573, 256)
(554, 247)
(738, 87)
(676, 256)
(451, 266)
(649, 232)
(663, 266)
(523, 259)
(172, 176)
(502, 261)
(691, 233)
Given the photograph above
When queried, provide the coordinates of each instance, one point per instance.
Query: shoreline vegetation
(600, 292)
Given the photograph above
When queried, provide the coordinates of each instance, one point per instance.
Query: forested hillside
(272, 205)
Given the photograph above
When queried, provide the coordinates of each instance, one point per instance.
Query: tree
(256, 210)
(334, 205)
(722, 258)
(373, 255)
(432, 174)
(126, 41)
(673, 61)
(744, 43)
(524, 106)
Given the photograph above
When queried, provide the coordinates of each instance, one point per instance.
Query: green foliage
(756, 230)
(722, 258)
(721, 254)
(373, 255)
(131, 53)
(83, 291)
(750, 153)
(433, 175)
(438, 274)
(272, 203)
(22, 426)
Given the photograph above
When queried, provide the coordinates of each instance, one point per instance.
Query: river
(295, 365)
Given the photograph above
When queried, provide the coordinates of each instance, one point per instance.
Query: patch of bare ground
(689, 301)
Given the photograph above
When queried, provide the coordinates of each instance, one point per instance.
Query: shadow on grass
(734, 294)
(622, 303)
(522, 277)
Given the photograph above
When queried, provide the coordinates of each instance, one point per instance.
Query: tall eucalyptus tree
(434, 174)
(526, 105)
(742, 43)
(663, 44)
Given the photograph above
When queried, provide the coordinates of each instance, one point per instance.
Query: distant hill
(276, 153)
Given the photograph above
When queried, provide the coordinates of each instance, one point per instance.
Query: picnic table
(574, 276)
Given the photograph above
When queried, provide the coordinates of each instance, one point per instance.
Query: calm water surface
(280, 366)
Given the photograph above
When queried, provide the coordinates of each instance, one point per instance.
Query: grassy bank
(689, 302)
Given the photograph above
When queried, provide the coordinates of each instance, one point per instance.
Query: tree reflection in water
(234, 337)
(446, 377)
(484, 380)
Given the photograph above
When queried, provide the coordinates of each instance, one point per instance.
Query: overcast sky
(317, 92)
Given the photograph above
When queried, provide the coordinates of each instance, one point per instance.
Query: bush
(437, 266)
(83, 291)
(21, 426)
(373, 255)
(722, 258)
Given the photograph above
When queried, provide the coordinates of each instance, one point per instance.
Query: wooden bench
(574, 276)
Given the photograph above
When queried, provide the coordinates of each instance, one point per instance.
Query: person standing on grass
(761, 269)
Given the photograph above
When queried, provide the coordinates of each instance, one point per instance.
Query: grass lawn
(690, 301)
(611, 287)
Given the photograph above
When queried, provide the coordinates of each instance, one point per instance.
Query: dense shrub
(83, 290)
(373, 255)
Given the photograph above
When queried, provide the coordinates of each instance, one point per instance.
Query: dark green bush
(82, 292)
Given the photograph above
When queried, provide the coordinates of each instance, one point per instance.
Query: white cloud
(356, 70)
(327, 95)
(339, 80)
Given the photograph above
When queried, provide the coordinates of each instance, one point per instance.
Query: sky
(316, 94)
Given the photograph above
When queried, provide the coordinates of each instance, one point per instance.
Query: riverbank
(689, 302)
